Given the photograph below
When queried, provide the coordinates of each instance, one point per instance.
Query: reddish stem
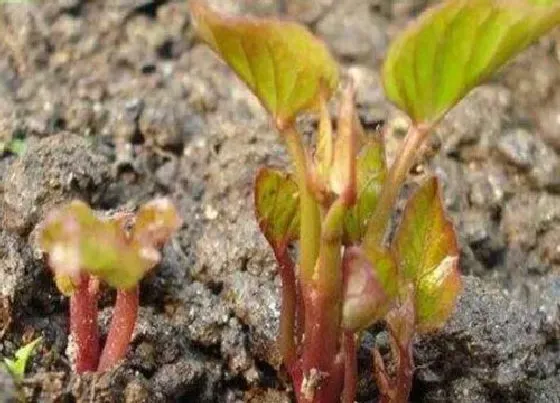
(323, 381)
(297, 378)
(396, 390)
(400, 323)
(121, 329)
(350, 368)
(405, 372)
(300, 314)
(83, 326)
(286, 341)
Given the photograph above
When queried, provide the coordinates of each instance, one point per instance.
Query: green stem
(397, 175)
(310, 229)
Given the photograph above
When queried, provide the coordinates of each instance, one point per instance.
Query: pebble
(487, 186)
(353, 33)
(548, 118)
(483, 236)
(518, 147)
(545, 173)
(549, 246)
(475, 121)
(519, 220)
(308, 12)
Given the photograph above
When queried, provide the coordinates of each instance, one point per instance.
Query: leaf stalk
(377, 227)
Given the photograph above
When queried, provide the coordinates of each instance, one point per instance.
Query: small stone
(548, 118)
(487, 187)
(160, 124)
(307, 12)
(171, 380)
(548, 211)
(475, 122)
(452, 176)
(518, 148)
(549, 246)
(481, 233)
(136, 392)
(166, 174)
(368, 86)
(353, 32)
(210, 212)
(12, 265)
(546, 170)
(520, 220)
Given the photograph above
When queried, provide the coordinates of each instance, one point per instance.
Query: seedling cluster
(337, 203)
(84, 250)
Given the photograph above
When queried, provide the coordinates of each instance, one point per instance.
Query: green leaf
(282, 62)
(543, 2)
(76, 240)
(371, 174)
(427, 255)
(17, 146)
(17, 366)
(277, 207)
(455, 46)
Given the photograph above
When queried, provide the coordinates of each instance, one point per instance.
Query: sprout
(83, 250)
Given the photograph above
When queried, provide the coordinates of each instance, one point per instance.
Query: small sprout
(276, 207)
(14, 146)
(22, 356)
(83, 249)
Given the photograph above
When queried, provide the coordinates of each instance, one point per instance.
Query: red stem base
(83, 326)
(121, 329)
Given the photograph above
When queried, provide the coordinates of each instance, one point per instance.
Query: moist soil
(114, 103)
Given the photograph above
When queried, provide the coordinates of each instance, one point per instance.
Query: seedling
(84, 250)
(22, 355)
(337, 203)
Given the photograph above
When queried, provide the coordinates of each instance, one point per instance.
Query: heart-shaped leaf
(277, 207)
(455, 46)
(427, 255)
(282, 62)
(371, 174)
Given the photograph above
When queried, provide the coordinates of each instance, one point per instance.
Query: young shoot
(17, 365)
(84, 250)
(337, 201)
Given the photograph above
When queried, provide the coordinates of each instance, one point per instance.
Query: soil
(115, 103)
